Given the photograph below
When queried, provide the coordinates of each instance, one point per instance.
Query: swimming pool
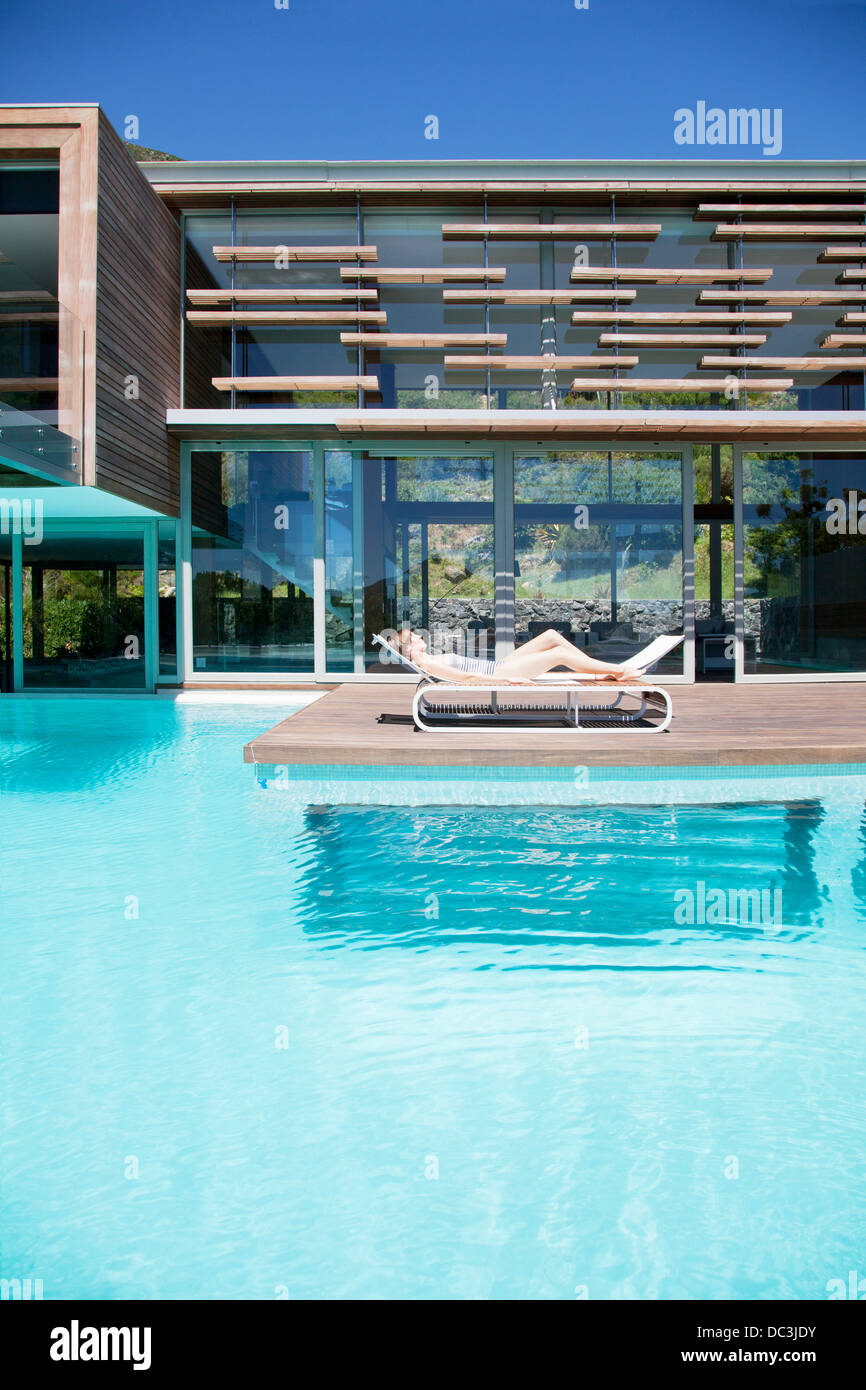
(318, 1035)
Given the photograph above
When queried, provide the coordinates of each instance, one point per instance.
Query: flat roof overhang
(641, 426)
(206, 183)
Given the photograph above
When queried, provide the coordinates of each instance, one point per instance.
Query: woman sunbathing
(537, 657)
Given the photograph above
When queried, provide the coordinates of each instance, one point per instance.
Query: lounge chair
(579, 702)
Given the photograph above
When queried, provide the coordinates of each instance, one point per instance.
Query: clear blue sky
(345, 79)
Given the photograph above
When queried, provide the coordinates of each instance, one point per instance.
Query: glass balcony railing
(41, 383)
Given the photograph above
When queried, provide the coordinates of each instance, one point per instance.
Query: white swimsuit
(470, 665)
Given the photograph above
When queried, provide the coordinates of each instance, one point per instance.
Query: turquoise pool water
(341, 1038)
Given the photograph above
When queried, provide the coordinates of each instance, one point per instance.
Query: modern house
(251, 414)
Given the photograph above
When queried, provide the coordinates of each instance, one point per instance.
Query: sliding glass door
(600, 550)
(801, 551)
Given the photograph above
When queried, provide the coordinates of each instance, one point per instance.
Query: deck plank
(715, 725)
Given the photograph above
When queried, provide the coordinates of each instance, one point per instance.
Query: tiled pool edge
(302, 785)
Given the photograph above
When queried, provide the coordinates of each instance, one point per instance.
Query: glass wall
(796, 267)
(252, 561)
(415, 376)
(84, 621)
(29, 327)
(804, 544)
(598, 550)
(409, 540)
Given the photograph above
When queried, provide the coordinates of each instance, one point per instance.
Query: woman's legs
(526, 664)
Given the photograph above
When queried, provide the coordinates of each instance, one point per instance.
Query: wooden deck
(714, 725)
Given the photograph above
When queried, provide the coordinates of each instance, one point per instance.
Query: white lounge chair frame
(577, 708)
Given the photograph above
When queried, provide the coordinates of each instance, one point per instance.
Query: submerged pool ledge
(816, 725)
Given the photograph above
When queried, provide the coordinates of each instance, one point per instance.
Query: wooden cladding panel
(137, 335)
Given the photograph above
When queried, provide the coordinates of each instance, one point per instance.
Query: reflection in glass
(84, 613)
(252, 561)
(804, 562)
(408, 541)
(598, 547)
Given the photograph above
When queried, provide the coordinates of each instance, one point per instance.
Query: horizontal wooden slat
(843, 253)
(26, 297)
(837, 340)
(848, 276)
(781, 296)
(669, 340)
(550, 231)
(658, 384)
(667, 275)
(757, 316)
(422, 275)
(283, 318)
(254, 254)
(27, 383)
(290, 296)
(854, 317)
(537, 296)
(547, 363)
(785, 231)
(296, 383)
(788, 364)
(710, 212)
(34, 317)
(424, 340)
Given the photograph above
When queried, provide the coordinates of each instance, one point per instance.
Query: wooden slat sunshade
(837, 340)
(296, 383)
(254, 254)
(604, 296)
(711, 212)
(788, 364)
(550, 231)
(290, 296)
(757, 316)
(282, 318)
(28, 383)
(673, 384)
(669, 340)
(668, 275)
(843, 253)
(785, 231)
(781, 296)
(424, 340)
(548, 363)
(422, 275)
